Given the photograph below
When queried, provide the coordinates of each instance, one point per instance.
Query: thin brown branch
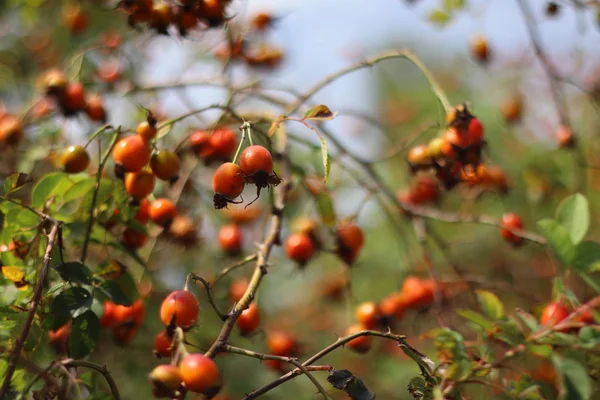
(114, 390)
(235, 266)
(340, 342)
(272, 239)
(290, 360)
(15, 353)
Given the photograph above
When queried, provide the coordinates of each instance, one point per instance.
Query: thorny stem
(88, 232)
(15, 353)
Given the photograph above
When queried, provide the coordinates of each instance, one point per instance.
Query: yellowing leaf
(14, 274)
(320, 113)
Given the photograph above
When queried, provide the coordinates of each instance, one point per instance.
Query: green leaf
(575, 384)
(344, 380)
(16, 182)
(440, 18)
(118, 285)
(325, 208)
(490, 304)
(319, 113)
(80, 189)
(559, 239)
(574, 214)
(476, 318)
(74, 272)
(425, 363)
(84, 335)
(587, 255)
(51, 184)
(68, 304)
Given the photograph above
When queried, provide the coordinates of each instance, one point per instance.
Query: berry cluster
(71, 96)
(252, 49)
(160, 15)
(190, 372)
(255, 167)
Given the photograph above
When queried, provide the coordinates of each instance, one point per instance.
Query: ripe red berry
(426, 189)
(475, 132)
(165, 165)
(75, 97)
(59, 338)
(418, 293)
(300, 247)
(350, 240)
(139, 184)
(565, 137)
(230, 238)
(130, 315)
(109, 71)
(255, 159)
(553, 313)
(281, 344)
(143, 213)
(368, 314)
(162, 211)
(75, 20)
(223, 143)
(75, 159)
(95, 109)
(393, 306)
(237, 289)
(511, 221)
(361, 344)
(228, 183)
(108, 318)
(163, 344)
(249, 319)
(134, 239)
(200, 374)
(200, 144)
(131, 153)
(181, 307)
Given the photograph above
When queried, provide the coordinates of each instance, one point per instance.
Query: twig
(206, 285)
(238, 264)
(407, 54)
(340, 342)
(289, 360)
(69, 363)
(15, 353)
(90, 225)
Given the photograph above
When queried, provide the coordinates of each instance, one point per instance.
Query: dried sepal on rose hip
(256, 164)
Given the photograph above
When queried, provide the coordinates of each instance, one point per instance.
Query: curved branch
(101, 369)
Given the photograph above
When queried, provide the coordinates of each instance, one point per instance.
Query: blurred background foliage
(34, 37)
